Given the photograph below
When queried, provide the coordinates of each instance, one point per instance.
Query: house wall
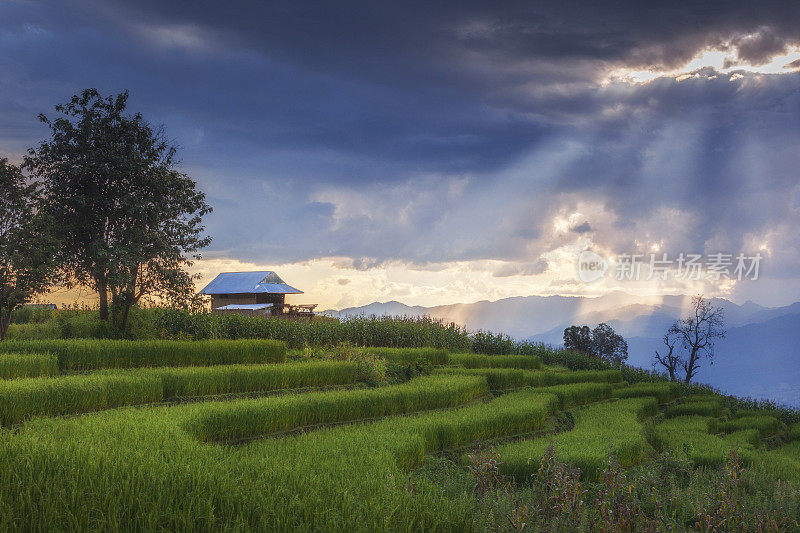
(218, 300)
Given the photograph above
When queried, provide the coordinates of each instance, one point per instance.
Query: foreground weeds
(669, 493)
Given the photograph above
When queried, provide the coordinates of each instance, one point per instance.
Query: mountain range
(760, 356)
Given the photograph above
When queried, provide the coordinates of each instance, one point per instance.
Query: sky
(446, 152)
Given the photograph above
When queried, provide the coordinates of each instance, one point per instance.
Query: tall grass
(435, 356)
(504, 379)
(27, 365)
(86, 354)
(764, 424)
(473, 360)
(21, 399)
(702, 408)
(574, 394)
(689, 434)
(664, 392)
(25, 398)
(135, 470)
(245, 419)
(603, 429)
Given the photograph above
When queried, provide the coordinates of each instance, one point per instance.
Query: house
(257, 293)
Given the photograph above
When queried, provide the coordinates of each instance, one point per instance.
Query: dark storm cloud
(436, 131)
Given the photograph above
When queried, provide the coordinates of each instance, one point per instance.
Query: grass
(473, 360)
(700, 408)
(794, 432)
(690, 435)
(573, 394)
(145, 472)
(411, 355)
(246, 419)
(94, 354)
(664, 392)
(26, 398)
(27, 365)
(764, 424)
(612, 427)
(235, 379)
(504, 379)
(349, 459)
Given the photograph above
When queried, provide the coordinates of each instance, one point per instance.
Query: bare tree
(671, 358)
(697, 334)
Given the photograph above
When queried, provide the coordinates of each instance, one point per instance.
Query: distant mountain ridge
(760, 356)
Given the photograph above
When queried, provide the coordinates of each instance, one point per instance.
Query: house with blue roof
(256, 293)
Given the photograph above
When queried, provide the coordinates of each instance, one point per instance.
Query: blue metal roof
(262, 281)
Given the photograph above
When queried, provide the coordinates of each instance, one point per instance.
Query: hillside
(230, 435)
(642, 322)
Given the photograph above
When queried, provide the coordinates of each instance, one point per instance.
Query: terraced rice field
(266, 444)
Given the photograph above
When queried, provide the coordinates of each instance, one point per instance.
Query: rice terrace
(121, 435)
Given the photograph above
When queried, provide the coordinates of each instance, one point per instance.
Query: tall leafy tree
(129, 220)
(601, 342)
(608, 345)
(27, 248)
(578, 338)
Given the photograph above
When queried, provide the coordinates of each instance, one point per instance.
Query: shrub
(27, 365)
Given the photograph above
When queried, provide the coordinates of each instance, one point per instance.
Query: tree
(690, 339)
(129, 221)
(671, 358)
(608, 346)
(578, 338)
(26, 246)
(601, 342)
(697, 334)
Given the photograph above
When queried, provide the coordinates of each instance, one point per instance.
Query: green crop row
(602, 429)
(573, 394)
(27, 365)
(794, 432)
(21, 399)
(138, 469)
(764, 424)
(474, 360)
(690, 434)
(435, 356)
(245, 419)
(94, 354)
(664, 391)
(700, 408)
(504, 379)
(25, 398)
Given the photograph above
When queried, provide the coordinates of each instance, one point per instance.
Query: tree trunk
(5, 321)
(102, 289)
